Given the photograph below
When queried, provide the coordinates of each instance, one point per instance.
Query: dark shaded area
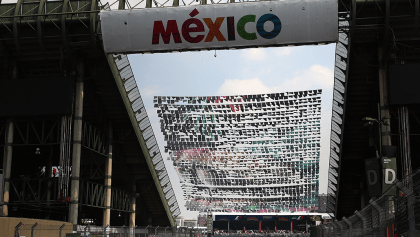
(385, 47)
(30, 97)
(404, 84)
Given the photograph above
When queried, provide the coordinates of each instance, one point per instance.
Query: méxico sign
(220, 26)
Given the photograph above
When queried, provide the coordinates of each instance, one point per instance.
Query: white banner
(218, 26)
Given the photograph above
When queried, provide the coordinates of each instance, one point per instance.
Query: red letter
(159, 29)
(186, 29)
(214, 29)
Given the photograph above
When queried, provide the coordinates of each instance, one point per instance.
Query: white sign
(220, 26)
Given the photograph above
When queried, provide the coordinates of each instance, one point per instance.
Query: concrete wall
(45, 228)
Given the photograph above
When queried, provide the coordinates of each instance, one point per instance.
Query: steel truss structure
(55, 40)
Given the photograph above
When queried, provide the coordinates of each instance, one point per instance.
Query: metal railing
(396, 212)
(138, 231)
(43, 230)
(283, 233)
(35, 229)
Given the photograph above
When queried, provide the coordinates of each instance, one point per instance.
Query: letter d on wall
(389, 169)
(372, 174)
(372, 177)
(389, 176)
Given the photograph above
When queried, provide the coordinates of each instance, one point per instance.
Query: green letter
(241, 27)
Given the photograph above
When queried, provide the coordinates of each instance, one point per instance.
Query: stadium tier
(247, 153)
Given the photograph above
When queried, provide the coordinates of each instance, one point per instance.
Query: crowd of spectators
(262, 233)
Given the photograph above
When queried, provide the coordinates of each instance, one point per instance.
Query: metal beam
(39, 26)
(50, 14)
(416, 15)
(63, 24)
(353, 18)
(92, 22)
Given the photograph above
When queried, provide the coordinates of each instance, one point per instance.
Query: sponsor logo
(196, 26)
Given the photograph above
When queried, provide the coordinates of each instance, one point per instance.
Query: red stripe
(393, 233)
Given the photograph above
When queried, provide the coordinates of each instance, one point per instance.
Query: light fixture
(119, 214)
(37, 151)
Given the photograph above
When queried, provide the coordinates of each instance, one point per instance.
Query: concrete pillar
(108, 180)
(77, 147)
(383, 99)
(7, 165)
(132, 220)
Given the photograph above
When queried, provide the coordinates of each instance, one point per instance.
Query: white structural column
(108, 180)
(7, 165)
(77, 146)
(133, 208)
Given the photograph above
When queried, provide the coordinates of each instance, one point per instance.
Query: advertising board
(220, 26)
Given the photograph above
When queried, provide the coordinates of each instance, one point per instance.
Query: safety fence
(395, 213)
(42, 230)
(278, 234)
(39, 229)
(141, 231)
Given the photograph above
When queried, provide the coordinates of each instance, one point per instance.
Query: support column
(108, 180)
(7, 165)
(383, 100)
(132, 223)
(77, 147)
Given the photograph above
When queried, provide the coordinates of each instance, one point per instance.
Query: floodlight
(368, 119)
